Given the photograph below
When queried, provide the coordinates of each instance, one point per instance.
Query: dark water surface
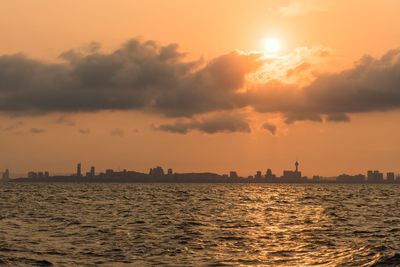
(199, 225)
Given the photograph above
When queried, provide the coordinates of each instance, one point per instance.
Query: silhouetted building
(91, 173)
(169, 171)
(390, 177)
(269, 176)
(32, 175)
(258, 176)
(156, 172)
(78, 170)
(292, 176)
(233, 175)
(109, 172)
(316, 178)
(6, 175)
(374, 177)
(46, 174)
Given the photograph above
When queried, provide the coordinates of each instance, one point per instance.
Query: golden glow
(272, 45)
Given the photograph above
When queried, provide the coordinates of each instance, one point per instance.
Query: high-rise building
(92, 171)
(270, 176)
(292, 176)
(233, 174)
(374, 177)
(78, 170)
(157, 172)
(390, 177)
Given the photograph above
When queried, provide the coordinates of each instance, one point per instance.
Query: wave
(388, 261)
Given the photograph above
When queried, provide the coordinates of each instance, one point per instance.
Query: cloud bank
(138, 76)
(219, 123)
(150, 78)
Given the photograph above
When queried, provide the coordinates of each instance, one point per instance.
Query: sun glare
(272, 45)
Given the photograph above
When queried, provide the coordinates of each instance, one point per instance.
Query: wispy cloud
(13, 126)
(37, 130)
(303, 7)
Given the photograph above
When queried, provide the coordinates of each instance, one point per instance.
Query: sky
(197, 86)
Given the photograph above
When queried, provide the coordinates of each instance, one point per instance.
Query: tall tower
(297, 166)
(78, 170)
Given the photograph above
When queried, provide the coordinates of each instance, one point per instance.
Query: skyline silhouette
(157, 174)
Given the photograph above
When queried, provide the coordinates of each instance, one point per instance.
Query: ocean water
(199, 225)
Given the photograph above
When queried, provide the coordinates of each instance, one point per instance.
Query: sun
(272, 45)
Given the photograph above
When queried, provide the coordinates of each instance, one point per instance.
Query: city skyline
(89, 170)
(174, 84)
(288, 176)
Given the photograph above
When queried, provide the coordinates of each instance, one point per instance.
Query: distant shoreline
(74, 179)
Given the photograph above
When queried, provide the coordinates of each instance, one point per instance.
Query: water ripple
(199, 224)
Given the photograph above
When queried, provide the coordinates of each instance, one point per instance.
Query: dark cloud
(138, 76)
(37, 131)
(336, 117)
(292, 117)
(270, 127)
(217, 123)
(152, 78)
(372, 85)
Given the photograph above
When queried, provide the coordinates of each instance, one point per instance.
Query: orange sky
(56, 141)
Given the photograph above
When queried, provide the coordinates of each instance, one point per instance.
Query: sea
(76, 224)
